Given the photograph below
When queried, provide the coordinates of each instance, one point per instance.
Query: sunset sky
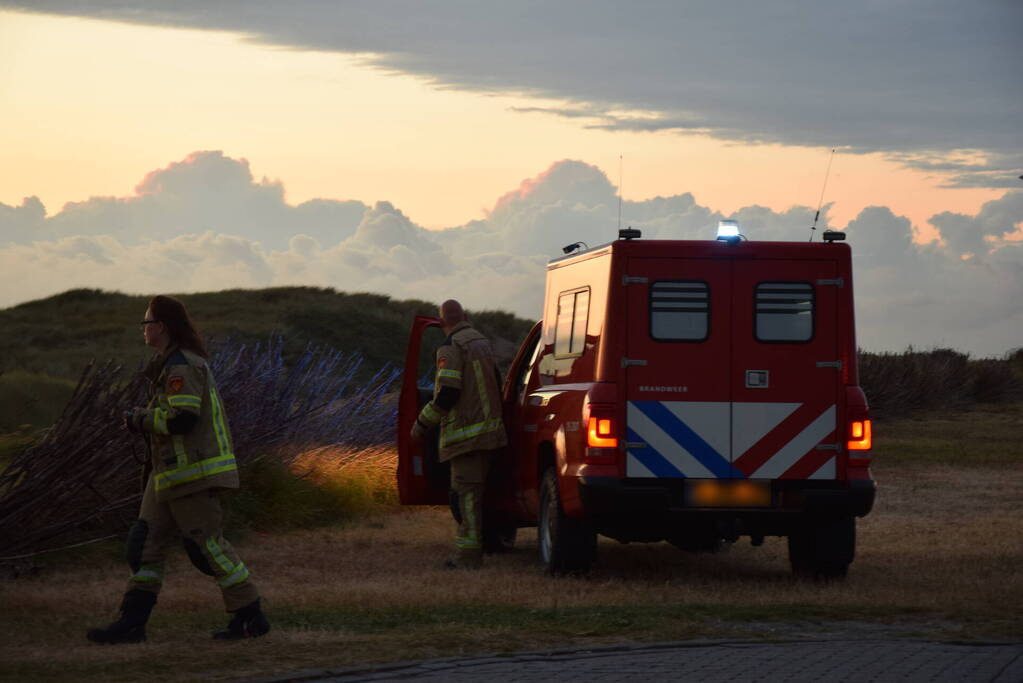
(423, 148)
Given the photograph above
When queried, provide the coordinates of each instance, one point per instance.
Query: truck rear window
(679, 310)
(784, 311)
(570, 334)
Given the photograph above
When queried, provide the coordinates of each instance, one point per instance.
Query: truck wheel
(823, 547)
(498, 538)
(566, 545)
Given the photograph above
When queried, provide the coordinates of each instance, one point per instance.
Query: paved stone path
(714, 661)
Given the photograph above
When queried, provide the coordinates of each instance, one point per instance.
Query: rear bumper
(645, 509)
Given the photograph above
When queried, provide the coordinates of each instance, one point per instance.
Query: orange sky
(88, 108)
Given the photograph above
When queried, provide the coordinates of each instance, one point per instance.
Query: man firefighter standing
(192, 461)
(466, 406)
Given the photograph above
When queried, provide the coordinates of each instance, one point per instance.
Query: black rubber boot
(248, 622)
(130, 627)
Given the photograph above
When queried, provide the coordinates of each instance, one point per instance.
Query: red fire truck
(688, 391)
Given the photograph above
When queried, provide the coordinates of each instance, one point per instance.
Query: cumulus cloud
(965, 291)
(186, 263)
(979, 235)
(22, 223)
(206, 191)
(915, 79)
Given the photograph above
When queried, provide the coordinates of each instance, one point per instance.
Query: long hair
(180, 327)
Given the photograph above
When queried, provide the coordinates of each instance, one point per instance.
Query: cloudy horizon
(451, 147)
(207, 223)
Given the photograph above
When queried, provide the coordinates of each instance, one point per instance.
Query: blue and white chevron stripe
(683, 439)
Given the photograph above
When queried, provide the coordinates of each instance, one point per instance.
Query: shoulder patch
(442, 362)
(175, 383)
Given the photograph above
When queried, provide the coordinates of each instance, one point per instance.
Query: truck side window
(679, 310)
(570, 333)
(784, 311)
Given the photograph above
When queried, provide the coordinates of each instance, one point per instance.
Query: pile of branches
(81, 482)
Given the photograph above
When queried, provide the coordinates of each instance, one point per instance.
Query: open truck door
(422, 480)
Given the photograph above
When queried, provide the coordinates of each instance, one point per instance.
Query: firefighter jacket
(186, 427)
(465, 369)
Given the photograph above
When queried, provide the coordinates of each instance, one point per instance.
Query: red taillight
(859, 436)
(600, 433)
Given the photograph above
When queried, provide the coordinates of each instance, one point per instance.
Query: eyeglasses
(148, 322)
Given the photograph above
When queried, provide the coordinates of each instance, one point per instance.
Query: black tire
(498, 538)
(823, 547)
(565, 545)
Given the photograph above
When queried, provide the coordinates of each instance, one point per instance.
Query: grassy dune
(28, 401)
(938, 557)
(51, 340)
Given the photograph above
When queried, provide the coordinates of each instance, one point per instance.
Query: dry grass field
(940, 556)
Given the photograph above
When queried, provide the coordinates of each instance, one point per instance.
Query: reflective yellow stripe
(466, 543)
(239, 575)
(469, 510)
(217, 553)
(184, 401)
(219, 428)
(179, 450)
(195, 471)
(236, 573)
(430, 414)
(449, 437)
(481, 385)
(160, 421)
(450, 374)
(148, 574)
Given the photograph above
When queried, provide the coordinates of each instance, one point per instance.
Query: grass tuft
(322, 487)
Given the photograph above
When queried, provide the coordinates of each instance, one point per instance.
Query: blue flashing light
(728, 231)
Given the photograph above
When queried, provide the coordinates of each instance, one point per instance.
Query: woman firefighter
(192, 460)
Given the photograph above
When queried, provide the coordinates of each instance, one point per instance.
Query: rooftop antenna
(619, 191)
(820, 202)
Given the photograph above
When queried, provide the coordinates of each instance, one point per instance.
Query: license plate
(728, 494)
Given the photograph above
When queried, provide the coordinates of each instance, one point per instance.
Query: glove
(419, 430)
(133, 419)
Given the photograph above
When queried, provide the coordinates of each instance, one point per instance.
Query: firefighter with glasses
(466, 406)
(192, 462)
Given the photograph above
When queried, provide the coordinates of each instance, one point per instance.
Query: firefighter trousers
(197, 521)
(468, 480)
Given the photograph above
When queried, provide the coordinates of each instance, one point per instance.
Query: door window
(570, 334)
(679, 310)
(522, 380)
(784, 311)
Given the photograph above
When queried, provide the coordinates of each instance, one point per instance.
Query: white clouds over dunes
(205, 223)
(204, 192)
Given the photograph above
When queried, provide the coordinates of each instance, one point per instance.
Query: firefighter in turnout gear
(466, 406)
(192, 461)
